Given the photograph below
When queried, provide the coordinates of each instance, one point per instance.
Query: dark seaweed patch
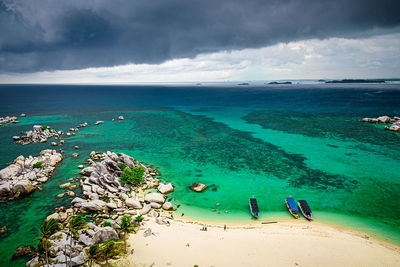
(202, 140)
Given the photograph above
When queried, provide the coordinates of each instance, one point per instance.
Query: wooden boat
(305, 209)
(254, 207)
(292, 207)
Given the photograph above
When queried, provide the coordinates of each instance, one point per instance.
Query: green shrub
(106, 223)
(139, 218)
(122, 166)
(38, 165)
(46, 127)
(132, 176)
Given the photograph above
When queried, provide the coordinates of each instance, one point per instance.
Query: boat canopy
(254, 205)
(292, 204)
(304, 206)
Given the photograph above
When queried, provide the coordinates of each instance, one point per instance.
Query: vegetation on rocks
(132, 176)
(38, 165)
(48, 228)
(106, 223)
(92, 252)
(108, 250)
(75, 224)
(122, 166)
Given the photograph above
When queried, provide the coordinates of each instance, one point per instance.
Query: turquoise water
(241, 143)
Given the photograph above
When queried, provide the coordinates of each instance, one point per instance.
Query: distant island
(243, 83)
(356, 81)
(280, 83)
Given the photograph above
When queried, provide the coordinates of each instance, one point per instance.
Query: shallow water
(268, 142)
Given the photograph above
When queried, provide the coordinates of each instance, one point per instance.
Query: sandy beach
(297, 243)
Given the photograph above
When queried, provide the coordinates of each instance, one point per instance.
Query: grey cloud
(53, 35)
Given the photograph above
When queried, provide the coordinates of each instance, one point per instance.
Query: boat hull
(294, 214)
(306, 215)
(253, 212)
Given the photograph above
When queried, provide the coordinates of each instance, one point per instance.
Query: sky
(142, 41)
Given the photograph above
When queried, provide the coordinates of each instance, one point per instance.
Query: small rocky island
(356, 81)
(25, 175)
(113, 189)
(8, 119)
(280, 83)
(39, 134)
(395, 122)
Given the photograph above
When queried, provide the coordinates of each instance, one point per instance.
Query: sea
(242, 141)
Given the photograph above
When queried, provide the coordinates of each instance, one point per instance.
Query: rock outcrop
(198, 187)
(39, 134)
(24, 175)
(105, 234)
(105, 200)
(155, 197)
(394, 127)
(165, 188)
(8, 119)
(395, 121)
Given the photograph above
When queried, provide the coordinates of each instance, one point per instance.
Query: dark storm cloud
(49, 35)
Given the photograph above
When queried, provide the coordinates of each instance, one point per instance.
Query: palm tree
(126, 227)
(108, 250)
(48, 228)
(75, 223)
(92, 253)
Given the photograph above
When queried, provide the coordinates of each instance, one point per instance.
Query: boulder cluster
(25, 175)
(39, 134)
(395, 122)
(102, 180)
(107, 201)
(8, 119)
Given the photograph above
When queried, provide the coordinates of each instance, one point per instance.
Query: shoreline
(261, 223)
(285, 242)
(387, 234)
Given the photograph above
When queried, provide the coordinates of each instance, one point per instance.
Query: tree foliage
(108, 250)
(76, 223)
(126, 226)
(47, 229)
(132, 176)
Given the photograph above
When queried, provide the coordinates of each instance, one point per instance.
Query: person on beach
(224, 227)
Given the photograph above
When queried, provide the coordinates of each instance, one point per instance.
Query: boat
(254, 207)
(305, 209)
(292, 207)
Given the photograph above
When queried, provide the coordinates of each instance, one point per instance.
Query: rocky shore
(395, 122)
(106, 199)
(25, 175)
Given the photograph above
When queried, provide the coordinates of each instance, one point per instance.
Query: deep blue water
(348, 99)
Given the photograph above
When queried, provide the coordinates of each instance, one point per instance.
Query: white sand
(297, 243)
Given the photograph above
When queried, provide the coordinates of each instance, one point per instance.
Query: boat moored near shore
(292, 207)
(305, 209)
(254, 207)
